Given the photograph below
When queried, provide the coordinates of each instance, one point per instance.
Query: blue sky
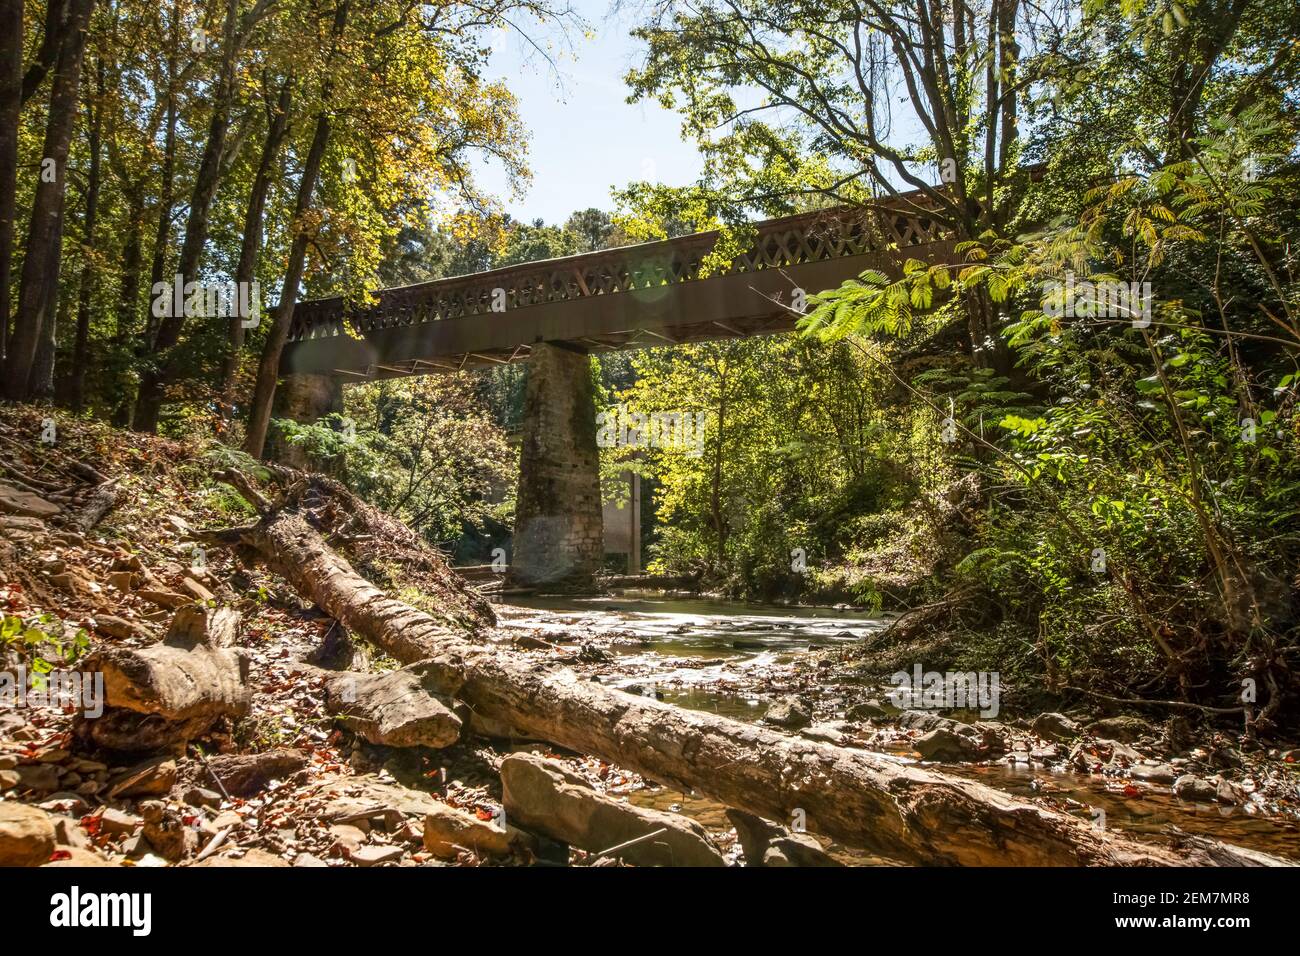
(583, 137)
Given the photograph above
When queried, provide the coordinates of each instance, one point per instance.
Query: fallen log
(395, 709)
(102, 499)
(161, 696)
(246, 775)
(860, 798)
(379, 543)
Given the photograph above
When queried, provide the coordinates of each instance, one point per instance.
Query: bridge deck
(630, 297)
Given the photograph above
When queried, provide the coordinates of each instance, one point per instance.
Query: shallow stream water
(714, 655)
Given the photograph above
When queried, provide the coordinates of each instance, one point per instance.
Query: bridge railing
(779, 243)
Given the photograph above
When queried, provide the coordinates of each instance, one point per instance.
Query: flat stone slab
(16, 502)
(546, 797)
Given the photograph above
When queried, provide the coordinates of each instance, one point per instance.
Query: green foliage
(42, 643)
(797, 447)
(426, 450)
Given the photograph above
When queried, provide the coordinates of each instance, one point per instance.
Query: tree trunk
(861, 798)
(11, 99)
(277, 127)
(268, 368)
(158, 696)
(38, 291)
(81, 345)
(392, 709)
(206, 180)
(128, 299)
(162, 232)
(40, 387)
(56, 24)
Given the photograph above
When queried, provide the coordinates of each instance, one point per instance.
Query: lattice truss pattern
(793, 240)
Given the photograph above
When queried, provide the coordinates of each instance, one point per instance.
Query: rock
(40, 777)
(830, 733)
(25, 504)
(347, 836)
(253, 857)
(8, 761)
(1054, 726)
(942, 744)
(1124, 728)
(377, 855)
(245, 775)
(166, 831)
(69, 803)
(370, 804)
(118, 627)
(200, 797)
(447, 831)
(167, 600)
(992, 735)
(196, 590)
(1121, 754)
(409, 832)
(117, 822)
(924, 722)
(1191, 787)
(1153, 773)
(8, 779)
(529, 643)
(544, 796)
(18, 523)
(768, 844)
(27, 835)
(76, 856)
(866, 710)
(124, 581)
(306, 859)
(68, 832)
(76, 581)
(150, 778)
(1225, 757)
(789, 713)
(1225, 791)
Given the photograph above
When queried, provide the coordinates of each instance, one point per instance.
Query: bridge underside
(722, 307)
(555, 314)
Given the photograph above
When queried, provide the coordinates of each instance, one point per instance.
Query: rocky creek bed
(793, 667)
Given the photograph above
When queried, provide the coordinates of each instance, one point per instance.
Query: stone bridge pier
(559, 527)
(559, 534)
(305, 398)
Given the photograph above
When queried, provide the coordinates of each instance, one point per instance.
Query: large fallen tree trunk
(158, 697)
(379, 542)
(860, 798)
